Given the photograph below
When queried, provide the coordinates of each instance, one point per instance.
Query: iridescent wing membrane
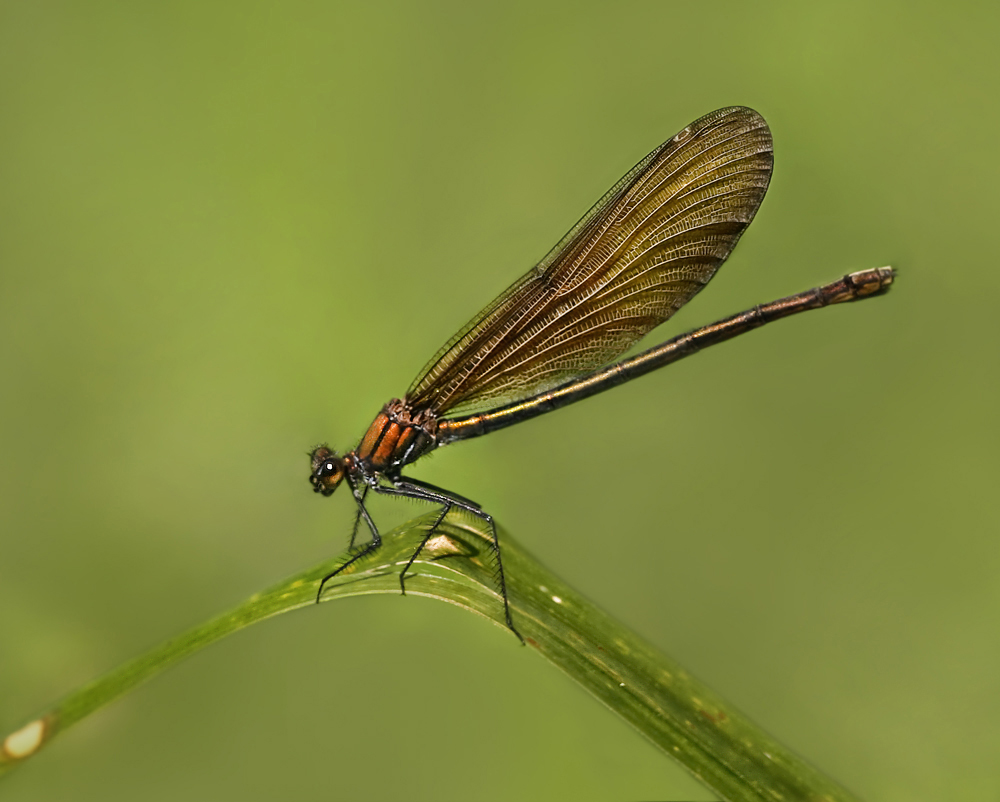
(642, 252)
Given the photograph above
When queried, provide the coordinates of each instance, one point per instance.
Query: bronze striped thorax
(397, 437)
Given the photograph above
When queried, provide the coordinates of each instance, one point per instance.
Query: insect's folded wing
(643, 251)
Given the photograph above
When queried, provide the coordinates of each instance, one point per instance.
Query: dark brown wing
(643, 251)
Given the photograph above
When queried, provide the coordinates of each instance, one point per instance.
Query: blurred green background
(231, 230)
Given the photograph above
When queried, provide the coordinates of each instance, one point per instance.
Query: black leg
(440, 491)
(445, 509)
(357, 518)
(413, 488)
(359, 498)
(376, 540)
(419, 495)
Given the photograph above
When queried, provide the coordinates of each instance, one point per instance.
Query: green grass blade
(673, 710)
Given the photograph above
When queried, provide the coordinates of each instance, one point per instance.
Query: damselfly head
(327, 470)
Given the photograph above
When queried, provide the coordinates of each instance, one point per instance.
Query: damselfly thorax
(396, 437)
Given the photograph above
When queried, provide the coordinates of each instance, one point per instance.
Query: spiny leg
(427, 487)
(414, 488)
(376, 540)
(357, 518)
(445, 509)
(500, 575)
(420, 495)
